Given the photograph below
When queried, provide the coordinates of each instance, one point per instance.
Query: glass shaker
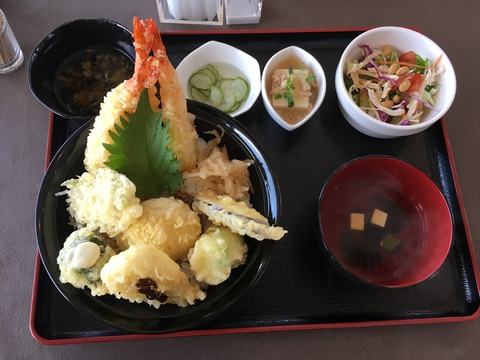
(11, 56)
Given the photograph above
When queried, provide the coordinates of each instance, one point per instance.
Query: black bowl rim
(46, 38)
(338, 265)
(166, 324)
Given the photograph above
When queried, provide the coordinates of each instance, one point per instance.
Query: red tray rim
(257, 329)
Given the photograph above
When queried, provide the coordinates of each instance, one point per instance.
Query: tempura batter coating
(237, 216)
(167, 223)
(105, 201)
(83, 277)
(216, 253)
(125, 273)
(114, 105)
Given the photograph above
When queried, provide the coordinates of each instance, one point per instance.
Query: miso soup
(382, 249)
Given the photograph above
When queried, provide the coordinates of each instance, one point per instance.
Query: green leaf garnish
(423, 63)
(310, 78)
(140, 151)
(289, 98)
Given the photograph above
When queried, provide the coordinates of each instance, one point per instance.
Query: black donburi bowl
(52, 229)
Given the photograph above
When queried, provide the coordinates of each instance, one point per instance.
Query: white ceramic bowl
(403, 40)
(238, 63)
(309, 62)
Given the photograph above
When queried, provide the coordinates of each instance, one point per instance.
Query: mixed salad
(393, 88)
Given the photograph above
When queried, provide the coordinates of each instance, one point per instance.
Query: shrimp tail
(146, 67)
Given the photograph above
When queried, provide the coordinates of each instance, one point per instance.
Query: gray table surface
(454, 25)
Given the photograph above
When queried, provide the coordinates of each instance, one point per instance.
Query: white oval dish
(403, 40)
(309, 62)
(217, 53)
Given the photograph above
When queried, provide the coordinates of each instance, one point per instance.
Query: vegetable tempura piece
(105, 201)
(144, 273)
(167, 223)
(216, 253)
(237, 216)
(80, 260)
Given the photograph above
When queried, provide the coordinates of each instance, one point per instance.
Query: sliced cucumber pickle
(201, 81)
(198, 95)
(209, 87)
(209, 73)
(216, 96)
(228, 102)
(238, 86)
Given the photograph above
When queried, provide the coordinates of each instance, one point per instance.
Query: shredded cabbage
(379, 89)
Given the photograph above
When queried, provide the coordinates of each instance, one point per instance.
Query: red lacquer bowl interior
(384, 222)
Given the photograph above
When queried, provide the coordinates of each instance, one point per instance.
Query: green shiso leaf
(140, 151)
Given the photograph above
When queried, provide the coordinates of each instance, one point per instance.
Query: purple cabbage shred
(383, 117)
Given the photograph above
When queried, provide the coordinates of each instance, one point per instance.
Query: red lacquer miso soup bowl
(384, 222)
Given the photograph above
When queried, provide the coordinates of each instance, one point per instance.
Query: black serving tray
(299, 289)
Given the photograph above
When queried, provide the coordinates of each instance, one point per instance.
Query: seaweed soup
(378, 252)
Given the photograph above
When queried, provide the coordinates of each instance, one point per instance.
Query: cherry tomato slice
(415, 83)
(408, 57)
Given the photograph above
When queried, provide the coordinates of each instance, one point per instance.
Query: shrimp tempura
(124, 98)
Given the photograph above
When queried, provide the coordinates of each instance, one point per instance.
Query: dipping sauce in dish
(293, 89)
(84, 78)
